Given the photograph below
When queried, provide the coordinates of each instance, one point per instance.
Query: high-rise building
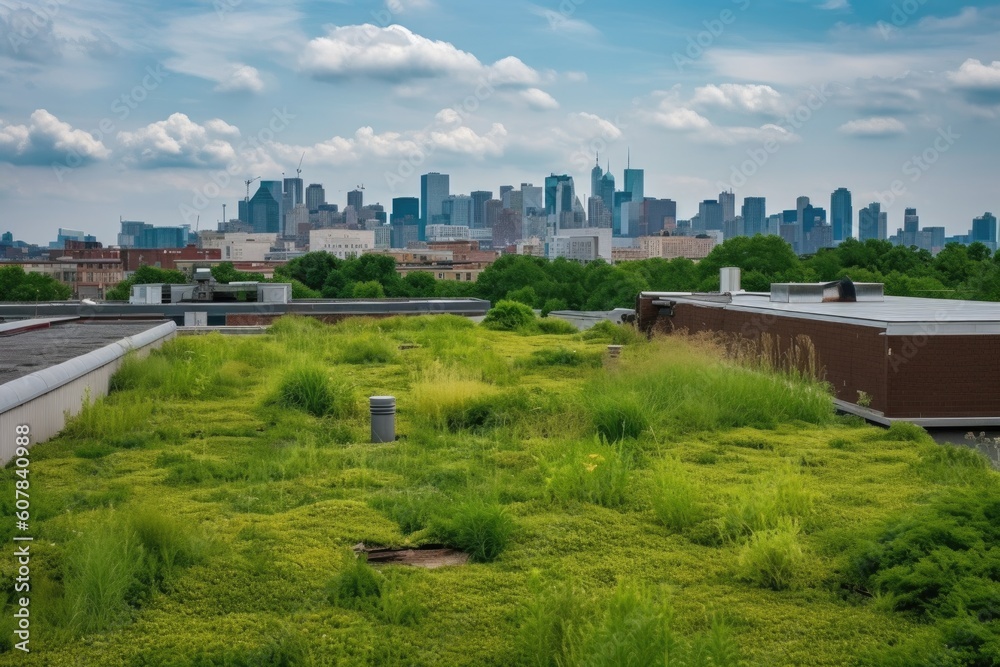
(532, 200)
(356, 199)
(728, 202)
(910, 234)
(754, 213)
(315, 196)
(130, 235)
(872, 223)
(294, 189)
(596, 174)
(559, 194)
(841, 214)
(618, 227)
(984, 230)
(163, 237)
(635, 184)
(607, 190)
(264, 210)
(479, 199)
(504, 189)
(710, 215)
(659, 215)
(459, 210)
(434, 189)
(598, 214)
(800, 204)
(405, 210)
(492, 210)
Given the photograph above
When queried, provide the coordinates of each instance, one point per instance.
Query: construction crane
(248, 185)
(298, 170)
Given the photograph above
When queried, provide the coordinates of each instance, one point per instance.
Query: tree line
(957, 272)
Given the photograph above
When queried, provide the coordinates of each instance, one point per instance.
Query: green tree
(420, 284)
(17, 285)
(510, 273)
(226, 273)
(311, 269)
(769, 255)
(371, 289)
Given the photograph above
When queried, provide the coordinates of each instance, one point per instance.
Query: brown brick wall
(944, 376)
(852, 358)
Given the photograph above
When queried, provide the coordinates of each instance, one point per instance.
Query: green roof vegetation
(670, 507)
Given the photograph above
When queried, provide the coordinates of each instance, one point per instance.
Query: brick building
(933, 362)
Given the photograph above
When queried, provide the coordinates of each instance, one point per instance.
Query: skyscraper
(607, 189)
(659, 215)
(710, 215)
(984, 230)
(479, 199)
(872, 223)
(458, 208)
(532, 200)
(754, 216)
(434, 189)
(294, 189)
(728, 202)
(911, 228)
(315, 196)
(264, 210)
(841, 214)
(405, 211)
(558, 199)
(596, 174)
(635, 184)
(356, 199)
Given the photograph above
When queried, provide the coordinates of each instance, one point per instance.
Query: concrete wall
(45, 399)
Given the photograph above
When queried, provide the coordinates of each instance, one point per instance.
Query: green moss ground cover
(666, 508)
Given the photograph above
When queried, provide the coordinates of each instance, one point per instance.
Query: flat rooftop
(25, 350)
(899, 316)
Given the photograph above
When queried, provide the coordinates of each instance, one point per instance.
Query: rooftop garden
(669, 507)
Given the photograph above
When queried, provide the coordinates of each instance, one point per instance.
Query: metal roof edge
(19, 391)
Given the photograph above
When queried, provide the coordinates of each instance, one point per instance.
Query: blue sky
(159, 111)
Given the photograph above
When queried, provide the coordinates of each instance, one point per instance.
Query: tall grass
(774, 558)
(675, 497)
(478, 527)
(634, 627)
(367, 349)
(765, 505)
(357, 585)
(119, 563)
(110, 420)
(613, 334)
(684, 385)
(592, 472)
(443, 392)
(313, 390)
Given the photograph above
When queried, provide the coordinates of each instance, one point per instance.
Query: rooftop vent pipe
(730, 280)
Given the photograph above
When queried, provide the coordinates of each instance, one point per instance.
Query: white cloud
(46, 140)
(447, 134)
(242, 78)
(396, 54)
(836, 5)
(179, 141)
(539, 99)
(979, 82)
(403, 6)
(681, 119)
(967, 18)
(564, 23)
(878, 127)
(751, 98)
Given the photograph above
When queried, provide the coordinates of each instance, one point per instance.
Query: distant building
(672, 247)
(841, 214)
(984, 230)
(240, 247)
(342, 243)
(315, 196)
(459, 210)
(710, 215)
(479, 199)
(434, 190)
(264, 210)
(356, 199)
(442, 233)
(659, 215)
(581, 245)
(727, 200)
(754, 214)
(872, 223)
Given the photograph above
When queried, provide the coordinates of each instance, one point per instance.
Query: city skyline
(106, 115)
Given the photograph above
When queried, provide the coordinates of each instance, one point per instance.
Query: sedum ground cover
(667, 508)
